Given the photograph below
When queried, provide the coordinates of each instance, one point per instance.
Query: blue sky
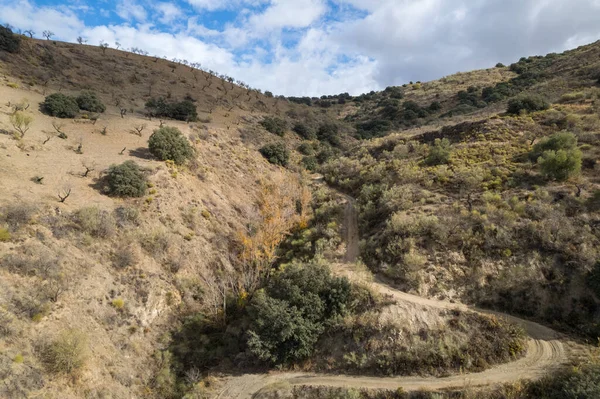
(315, 47)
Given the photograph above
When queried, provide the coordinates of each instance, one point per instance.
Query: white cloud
(288, 14)
(130, 11)
(168, 12)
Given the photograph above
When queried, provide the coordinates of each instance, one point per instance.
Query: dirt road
(546, 349)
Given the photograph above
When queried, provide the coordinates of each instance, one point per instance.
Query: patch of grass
(67, 353)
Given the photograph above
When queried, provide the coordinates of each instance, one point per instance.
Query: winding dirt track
(545, 349)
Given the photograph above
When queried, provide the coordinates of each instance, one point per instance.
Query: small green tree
(60, 105)
(21, 122)
(558, 141)
(527, 103)
(329, 132)
(439, 153)
(274, 125)
(167, 143)
(560, 165)
(89, 101)
(304, 131)
(126, 180)
(276, 154)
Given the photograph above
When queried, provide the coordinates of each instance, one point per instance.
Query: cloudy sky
(314, 47)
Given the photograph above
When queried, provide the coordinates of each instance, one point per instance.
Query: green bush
(276, 154)
(558, 141)
(560, 165)
(304, 131)
(439, 153)
(67, 353)
(60, 105)
(289, 316)
(9, 42)
(527, 103)
(126, 180)
(167, 143)
(274, 125)
(500, 65)
(574, 383)
(183, 111)
(88, 101)
(306, 149)
(310, 163)
(329, 132)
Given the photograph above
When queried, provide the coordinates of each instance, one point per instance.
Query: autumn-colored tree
(281, 206)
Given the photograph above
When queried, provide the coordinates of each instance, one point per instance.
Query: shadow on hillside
(141, 152)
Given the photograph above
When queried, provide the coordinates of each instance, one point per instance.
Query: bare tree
(103, 46)
(89, 166)
(64, 194)
(123, 150)
(47, 34)
(137, 130)
(30, 33)
(123, 112)
(117, 45)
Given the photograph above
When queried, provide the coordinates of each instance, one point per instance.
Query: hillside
(194, 277)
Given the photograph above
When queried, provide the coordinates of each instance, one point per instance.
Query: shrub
(500, 65)
(329, 132)
(9, 42)
(527, 103)
(21, 122)
(276, 154)
(67, 353)
(126, 180)
(306, 149)
(4, 234)
(558, 141)
(95, 222)
(310, 163)
(304, 131)
(183, 111)
(88, 101)
(17, 215)
(274, 125)
(289, 316)
(561, 164)
(167, 143)
(439, 153)
(60, 105)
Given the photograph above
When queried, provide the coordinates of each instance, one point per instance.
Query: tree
(21, 122)
(304, 131)
(439, 153)
(329, 132)
(47, 34)
(274, 125)
(126, 180)
(8, 41)
(558, 141)
(30, 33)
(560, 165)
(527, 103)
(89, 101)
(167, 143)
(276, 154)
(103, 46)
(60, 105)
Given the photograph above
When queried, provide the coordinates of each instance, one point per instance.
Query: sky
(317, 47)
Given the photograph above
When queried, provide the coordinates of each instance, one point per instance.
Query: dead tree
(123, 112)
(123, 150)
(89, 167)
(137, 130)
(64, 194)
(30, 33)
(47, 34)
